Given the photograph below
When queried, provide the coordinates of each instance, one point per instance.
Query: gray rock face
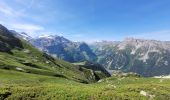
(145, 57)
(65, 49)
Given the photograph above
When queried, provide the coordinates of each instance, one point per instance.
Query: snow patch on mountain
(47, 36)
(166, 63)
(145, 57)
(163, 76)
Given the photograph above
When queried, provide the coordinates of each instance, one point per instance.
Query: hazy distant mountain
(65, 49)
(146, 57)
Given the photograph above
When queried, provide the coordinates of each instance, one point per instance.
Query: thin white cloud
(27, 27)
(14, 18)
(12, 12)
(28, 6)
(31, 29)
(5, 9)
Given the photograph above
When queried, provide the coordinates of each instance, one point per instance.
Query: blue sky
(89, 20)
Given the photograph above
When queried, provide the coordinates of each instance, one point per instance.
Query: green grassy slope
(24, 86)
(30, 60)
(17, 54)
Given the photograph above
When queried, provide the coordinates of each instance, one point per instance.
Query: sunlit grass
(19, 85)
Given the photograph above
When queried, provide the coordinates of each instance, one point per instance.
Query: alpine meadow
(84, 50)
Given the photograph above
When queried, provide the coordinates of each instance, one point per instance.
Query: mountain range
(145, 57)
(19, 55)
(62, 48)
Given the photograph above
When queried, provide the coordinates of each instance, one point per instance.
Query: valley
(84, 50)
(29, 71)
(146, 57)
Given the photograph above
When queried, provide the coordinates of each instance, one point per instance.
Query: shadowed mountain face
(97, 68)
(65, 49)
(8, 41)
(145, 57)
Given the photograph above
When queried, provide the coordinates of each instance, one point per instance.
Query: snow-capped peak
(48, 36)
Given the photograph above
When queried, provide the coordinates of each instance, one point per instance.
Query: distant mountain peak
(48, 36)
(130, 39)
(142, 56)
(145, 43)
(63, 48)
(22, 35)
